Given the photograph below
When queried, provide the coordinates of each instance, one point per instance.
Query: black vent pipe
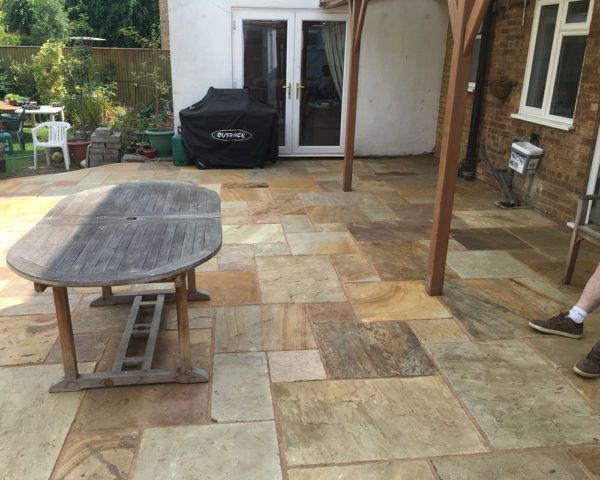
(470, 161)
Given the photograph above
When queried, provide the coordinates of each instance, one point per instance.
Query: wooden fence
(122, 63)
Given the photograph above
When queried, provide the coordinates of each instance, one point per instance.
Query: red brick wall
(562, 174)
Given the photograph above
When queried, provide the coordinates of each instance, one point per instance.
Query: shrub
(48, 74)
(21, 75)
(89, 103)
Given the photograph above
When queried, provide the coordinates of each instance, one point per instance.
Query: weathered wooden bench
(581, 231)
(132, 233)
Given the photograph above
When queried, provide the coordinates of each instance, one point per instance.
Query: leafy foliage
(127, 23)
(22, 76)
(48, 74)
(89, 102)
(49, 22)
(18, 15)
(123, 23)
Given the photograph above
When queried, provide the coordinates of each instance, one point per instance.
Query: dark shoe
(559, 325)
(590, 367)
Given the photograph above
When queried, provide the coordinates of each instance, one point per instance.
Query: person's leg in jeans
(570, 324)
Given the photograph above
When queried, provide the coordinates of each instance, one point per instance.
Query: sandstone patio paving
(489, 239)
(321, 243)
(236, 257)
(267, 233)
(519, 466)
(228, 288)
(487, 264)
(334, 312)
(26, 339)
(263, 328)
(509, 305)
(589, 456)
(89, 347)
(33, 422)
(374, 471)
(97, 455)
(296, 366)
(394, 301)
(241, 388)
(518, 400)
(236, 452)
(354, 268)
(336, 214)
(269, 303)
(360, 420)
(372, 350)
(298, 279)
(445, 330)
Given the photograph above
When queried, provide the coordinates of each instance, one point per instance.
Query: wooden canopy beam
(465, 17)
(358, 11)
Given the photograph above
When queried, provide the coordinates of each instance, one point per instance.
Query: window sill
(567, 127)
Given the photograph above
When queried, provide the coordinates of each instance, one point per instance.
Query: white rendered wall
(402, 57)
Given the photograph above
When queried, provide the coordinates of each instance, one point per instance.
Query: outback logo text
(231, 135)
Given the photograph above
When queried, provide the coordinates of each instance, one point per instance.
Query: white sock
(578, 315)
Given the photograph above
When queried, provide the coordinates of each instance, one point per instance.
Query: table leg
(65, 331)
(183, 328)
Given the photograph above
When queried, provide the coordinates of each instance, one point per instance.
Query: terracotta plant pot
(78, 149)
(150, 153)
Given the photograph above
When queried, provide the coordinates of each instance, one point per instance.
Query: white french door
(296, 61)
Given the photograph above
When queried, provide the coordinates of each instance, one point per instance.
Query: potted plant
(88, 102)
(13, 99)
(159, 129)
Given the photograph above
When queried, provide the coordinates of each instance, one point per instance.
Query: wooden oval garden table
(132, 233)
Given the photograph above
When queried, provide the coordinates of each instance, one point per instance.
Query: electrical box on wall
(525, 157)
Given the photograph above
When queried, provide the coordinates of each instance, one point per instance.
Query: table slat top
(134, 232)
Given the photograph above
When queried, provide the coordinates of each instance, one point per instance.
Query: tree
(50, 22)
(18, 15)
(127, 23)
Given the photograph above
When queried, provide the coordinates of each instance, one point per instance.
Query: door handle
(298, 88)
(289, 90)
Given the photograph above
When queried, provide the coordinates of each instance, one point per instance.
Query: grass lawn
(20, 163)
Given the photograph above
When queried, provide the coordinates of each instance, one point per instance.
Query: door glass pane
(568, 75)
(578, 11)
(265, 64)
(541, 56)
(323, 48)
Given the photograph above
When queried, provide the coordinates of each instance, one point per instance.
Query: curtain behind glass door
(265, 64)
(322, 83)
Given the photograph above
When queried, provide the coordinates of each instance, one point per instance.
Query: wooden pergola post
(358, 10)
(465, 18)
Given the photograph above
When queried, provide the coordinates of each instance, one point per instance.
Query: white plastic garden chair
(57, 138)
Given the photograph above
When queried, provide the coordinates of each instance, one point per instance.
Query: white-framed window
(555, 62)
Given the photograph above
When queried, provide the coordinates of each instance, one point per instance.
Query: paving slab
(263, 328)
(296, 366)
(246, 451)
(299, 279)
(34, 423)
(517, 399)
(372, 471)
(343, 421)
(240, 388)
(97, 455)
(383, 301)
(372, 350)
(518, 466)
(501, 308)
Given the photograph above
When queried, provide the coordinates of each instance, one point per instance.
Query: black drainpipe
(470, 161)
